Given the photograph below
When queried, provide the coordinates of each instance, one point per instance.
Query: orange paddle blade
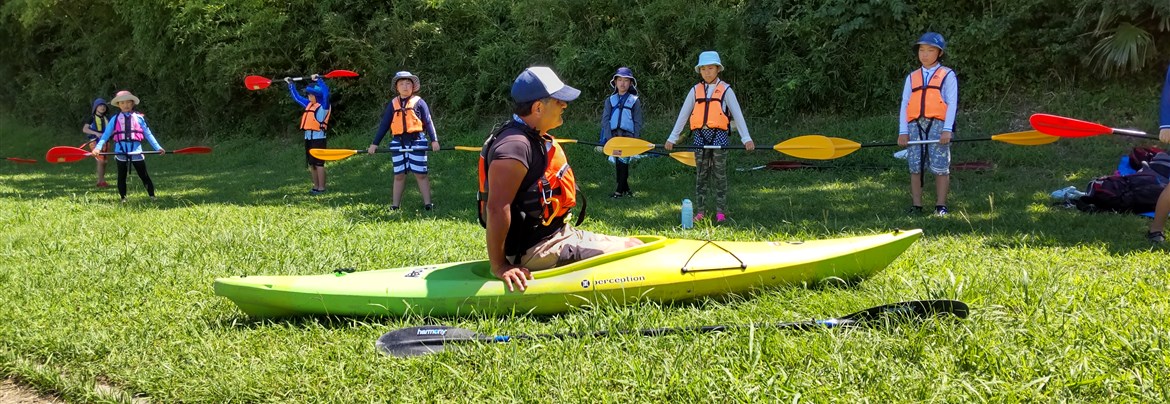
(256, 83)
(332, 154)
(685, 157)
(66, 154)
(340, 73)
(812, 147)
(626, 147)
(1026, 138)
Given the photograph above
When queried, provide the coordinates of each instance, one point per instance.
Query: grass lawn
(104, 301)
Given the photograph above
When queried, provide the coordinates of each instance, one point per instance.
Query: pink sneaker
(698, 217)
(719, 217)
(102, 184)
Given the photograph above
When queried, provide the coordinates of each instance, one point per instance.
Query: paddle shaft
(655, 332)
(1133, 133)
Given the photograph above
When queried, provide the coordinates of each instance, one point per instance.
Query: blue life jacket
(622, 113)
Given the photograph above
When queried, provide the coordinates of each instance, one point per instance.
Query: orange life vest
(547, 193)
(708, 111)
(405, 119)
(309, 118)
(926, 100)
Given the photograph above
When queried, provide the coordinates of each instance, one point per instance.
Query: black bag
(1134, 193)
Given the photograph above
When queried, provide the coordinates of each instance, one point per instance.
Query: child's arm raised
(292, 89)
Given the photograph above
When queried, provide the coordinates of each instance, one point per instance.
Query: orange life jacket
(926, 100)
(547, 193)
(309, 118)
(708, 111)
(405, 119)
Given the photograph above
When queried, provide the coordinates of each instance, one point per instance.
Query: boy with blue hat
(930, 100)
(706, 108)
(314, 121)
(408, 119)
(621, 116)
(526, 187)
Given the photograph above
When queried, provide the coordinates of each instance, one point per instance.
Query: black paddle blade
(912, 310)
(415, 341)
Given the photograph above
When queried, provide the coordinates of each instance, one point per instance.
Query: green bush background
(187, 59)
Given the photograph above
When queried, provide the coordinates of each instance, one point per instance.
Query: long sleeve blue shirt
(304, 102)
(424, 114)
(950, 95)
(126, 147)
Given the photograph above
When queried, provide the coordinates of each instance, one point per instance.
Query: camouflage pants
(711, 171)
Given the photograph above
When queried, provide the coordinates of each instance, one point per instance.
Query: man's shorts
(570, 245)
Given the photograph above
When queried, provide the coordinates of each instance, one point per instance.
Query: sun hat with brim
(124, 95)
(709, 58)
(933, 39)
(540, 82)
(405, 75)
(627, 73)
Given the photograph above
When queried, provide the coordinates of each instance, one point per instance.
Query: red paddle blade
(256, 83)
(340, 73)
(65, 154)
(193, 150)
(20, 160)
(1067, 127)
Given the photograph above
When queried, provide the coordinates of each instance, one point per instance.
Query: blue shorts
(938, 156)
(412, 161)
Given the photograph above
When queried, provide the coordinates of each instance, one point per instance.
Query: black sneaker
(428, 206)
(940, 210)
(1156, 237)
(393, 207)
(914, 210)
(626, 194)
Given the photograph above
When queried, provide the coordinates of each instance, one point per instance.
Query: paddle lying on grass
(68, 154)
(845, 147)
(1067, 127)
(782, 165)
(812, 147)
(21, 160)
(414, 341)
(259, 82)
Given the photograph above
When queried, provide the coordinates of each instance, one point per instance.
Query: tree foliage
(187, 59)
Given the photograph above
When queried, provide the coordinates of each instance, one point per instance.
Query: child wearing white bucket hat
(128, 129)
(408, 119)
(710, 107)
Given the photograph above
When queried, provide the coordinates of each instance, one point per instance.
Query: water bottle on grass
(688, 214)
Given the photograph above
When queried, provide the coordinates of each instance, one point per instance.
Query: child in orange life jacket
(930, 99)
(706, 107)
(129, 129)
(408, 119)
(314, 121)
(621, 116)
(93, 129)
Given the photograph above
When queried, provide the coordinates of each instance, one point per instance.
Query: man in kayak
(527, 187)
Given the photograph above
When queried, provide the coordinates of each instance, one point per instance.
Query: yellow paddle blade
(566, 140)
(468, 148)
(812, 147)
(626, 147)
(684, 157)
(1026, 138)
(332, 154)
(843, 147)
